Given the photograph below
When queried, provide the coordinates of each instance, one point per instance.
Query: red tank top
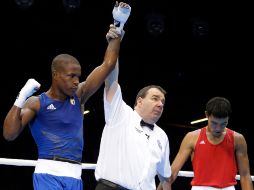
(214, 165)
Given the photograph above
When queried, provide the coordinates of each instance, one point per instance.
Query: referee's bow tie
(143, 123)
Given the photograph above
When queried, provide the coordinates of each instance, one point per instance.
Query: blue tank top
(58, 128)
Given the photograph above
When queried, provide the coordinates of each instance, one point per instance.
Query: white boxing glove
(30, 87)
(121, 14)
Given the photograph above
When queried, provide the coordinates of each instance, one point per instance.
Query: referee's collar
(142, 123)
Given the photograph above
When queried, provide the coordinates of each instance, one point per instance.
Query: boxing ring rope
(86, 166)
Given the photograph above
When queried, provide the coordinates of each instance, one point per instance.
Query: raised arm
(22, 112)
(111, 81)
(100, 73)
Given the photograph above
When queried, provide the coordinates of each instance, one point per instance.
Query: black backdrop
(201, 52)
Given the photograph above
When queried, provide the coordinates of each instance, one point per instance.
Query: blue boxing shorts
(57, 175)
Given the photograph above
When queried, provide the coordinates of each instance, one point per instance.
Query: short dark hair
(219, 107)
(143, 92)
(62, 59)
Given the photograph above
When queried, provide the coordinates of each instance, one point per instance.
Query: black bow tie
(151, 126)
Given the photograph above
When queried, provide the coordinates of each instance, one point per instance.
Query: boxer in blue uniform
(55, 117)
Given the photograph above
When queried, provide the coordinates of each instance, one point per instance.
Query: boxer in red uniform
(217, 153)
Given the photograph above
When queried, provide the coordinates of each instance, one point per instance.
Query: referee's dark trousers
(104, 184)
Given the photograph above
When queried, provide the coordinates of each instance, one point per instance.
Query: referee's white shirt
(127, 156)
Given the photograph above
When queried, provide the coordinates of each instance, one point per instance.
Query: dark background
(203, 49)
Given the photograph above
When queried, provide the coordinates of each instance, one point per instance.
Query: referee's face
(151, 106)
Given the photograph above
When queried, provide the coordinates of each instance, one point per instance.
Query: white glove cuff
(20, 101)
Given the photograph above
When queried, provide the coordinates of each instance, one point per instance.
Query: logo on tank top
(202, 142)
(72, 101)
(51, 107)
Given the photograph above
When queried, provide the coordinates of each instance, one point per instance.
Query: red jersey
(214, 165)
